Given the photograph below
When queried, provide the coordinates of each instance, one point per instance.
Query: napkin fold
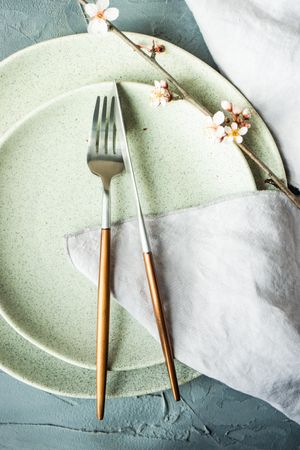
(256, 45)
(229, 279)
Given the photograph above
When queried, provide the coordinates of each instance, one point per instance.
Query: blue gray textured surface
(210, 415)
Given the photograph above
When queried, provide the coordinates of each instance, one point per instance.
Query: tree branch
(186, 96)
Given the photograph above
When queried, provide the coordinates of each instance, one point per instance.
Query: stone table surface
(210, 414)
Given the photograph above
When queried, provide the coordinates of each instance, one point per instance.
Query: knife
(147, 253)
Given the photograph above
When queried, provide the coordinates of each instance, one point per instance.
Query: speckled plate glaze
(56, 67)
(41, 72)
(33, 366)
(51, 192)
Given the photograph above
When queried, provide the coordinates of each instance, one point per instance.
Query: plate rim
(79, 36)
(188, 374)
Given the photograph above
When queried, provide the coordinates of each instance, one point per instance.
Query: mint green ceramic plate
(47, 191)
(29, 364)
(56, 67)
(41, 72)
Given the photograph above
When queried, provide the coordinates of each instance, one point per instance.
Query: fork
(105, 162)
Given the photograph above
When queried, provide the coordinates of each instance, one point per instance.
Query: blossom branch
(186, 96)
(167, 76)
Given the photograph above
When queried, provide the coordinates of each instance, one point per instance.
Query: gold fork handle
(161, 323)
(102, 331)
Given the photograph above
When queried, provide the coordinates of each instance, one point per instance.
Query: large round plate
(60, 65)
(47, 191)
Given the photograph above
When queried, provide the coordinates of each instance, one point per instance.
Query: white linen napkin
(256, 45)
(230, 282)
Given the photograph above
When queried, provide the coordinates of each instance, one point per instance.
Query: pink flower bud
(164, 84)
(226, 105)
(236, 109)
(246, 113)
(159, 48)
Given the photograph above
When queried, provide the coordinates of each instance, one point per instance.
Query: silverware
(104, 160)
(147, 254)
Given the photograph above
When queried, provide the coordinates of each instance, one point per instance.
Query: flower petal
(218, 118)
(229, 138)
(226, 105)
(91, 9)
(90, 28)
(111, 14)
(243, 131)
(246, 113)
(220, 132)
(236, 109)
(163, 84)
(227, 130)
(239, 139)
(157, 84)
(102, 5)
(234, 125)
(97, 26)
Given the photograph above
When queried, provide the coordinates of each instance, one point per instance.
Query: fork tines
(103, 133)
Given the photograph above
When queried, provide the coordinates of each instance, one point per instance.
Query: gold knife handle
(161, 323)
(102, 330)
